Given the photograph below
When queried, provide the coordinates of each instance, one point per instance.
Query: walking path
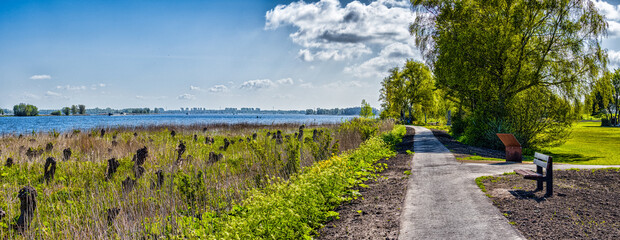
(443, 201)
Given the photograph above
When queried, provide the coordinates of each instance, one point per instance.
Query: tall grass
(76, 203)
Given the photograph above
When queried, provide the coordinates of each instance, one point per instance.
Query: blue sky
(213, 54)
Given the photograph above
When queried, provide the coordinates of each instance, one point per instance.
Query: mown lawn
(589, 143)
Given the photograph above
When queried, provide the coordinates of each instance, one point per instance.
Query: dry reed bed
(80, 203)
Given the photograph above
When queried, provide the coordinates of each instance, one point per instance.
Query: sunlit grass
(589, 144)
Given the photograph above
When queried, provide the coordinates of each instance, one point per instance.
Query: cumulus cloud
(71, 88)
(257, 84)
(393, 55)
(186, 96)
(285, 81)
(218, 88)
(194, 88)
(326, 30)
(40, 77)
(612, 15)
(614, 58)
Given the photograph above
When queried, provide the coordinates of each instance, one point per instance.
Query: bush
(55, 113)
(25, 110)
(605, 122)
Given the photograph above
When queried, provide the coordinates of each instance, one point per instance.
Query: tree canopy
(23, 109)
(504, 61)
(366, 110)
(408, 91)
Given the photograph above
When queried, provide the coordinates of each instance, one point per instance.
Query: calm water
(66, 123)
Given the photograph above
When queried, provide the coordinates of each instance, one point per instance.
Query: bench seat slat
(528, 174)
(540, 163)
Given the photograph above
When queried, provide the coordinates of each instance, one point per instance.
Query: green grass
(589, 144)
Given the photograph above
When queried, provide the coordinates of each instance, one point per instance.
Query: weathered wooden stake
(28, 197)
(49, 169)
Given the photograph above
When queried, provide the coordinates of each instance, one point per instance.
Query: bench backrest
(543, 160)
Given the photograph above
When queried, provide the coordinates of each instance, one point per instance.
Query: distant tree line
(337, 111)
(23, 109)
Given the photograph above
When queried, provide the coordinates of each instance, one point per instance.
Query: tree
(1, 111)
(366, 110)
(604, 98)
(73, 109)
(55, 113)
(492, 57)
(407, 92)
(82, 109)
(23, 109)
(66, 110)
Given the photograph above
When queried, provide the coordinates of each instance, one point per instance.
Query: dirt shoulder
(376, 215)
(584, 205)
(461, 150)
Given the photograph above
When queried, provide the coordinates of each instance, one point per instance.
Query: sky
(209, 54)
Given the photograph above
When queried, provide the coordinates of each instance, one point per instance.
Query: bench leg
(539, 182)
(539, 185)
(549, 188)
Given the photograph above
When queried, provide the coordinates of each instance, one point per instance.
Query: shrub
(605, 122)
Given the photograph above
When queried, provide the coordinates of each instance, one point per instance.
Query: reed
(84, 201)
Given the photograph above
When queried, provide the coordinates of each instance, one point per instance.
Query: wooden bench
(541, 161)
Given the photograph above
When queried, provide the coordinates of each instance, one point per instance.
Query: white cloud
(285, 81)
(52, 94)
(257, 84)
(186, 96)
(140, 97)
(326, 30)
(306, 85)
(393, 55)
(218, 88)
(101, 84)
(614, 58)
(71, 88)
(194, 88)
(611, 12)
(40, 77)
(612, 15)
(341, 84)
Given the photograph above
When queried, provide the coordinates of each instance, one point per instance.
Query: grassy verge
(589, 144)
(209, 174)
(294, 209)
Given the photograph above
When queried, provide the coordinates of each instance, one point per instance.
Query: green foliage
(513, 66)
(408, 91)
(66, 110)
(74, 109)
(55, 113)
(366, 110)
(293, 209)
(604, 98)
(23, 109)
(395, 136)
(81, 109)
(367, 128)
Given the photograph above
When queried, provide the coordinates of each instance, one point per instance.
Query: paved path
(443, 201)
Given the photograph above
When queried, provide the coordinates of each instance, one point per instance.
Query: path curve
(443, 201)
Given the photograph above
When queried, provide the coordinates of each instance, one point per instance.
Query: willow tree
(500, 59)
(407, 92)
